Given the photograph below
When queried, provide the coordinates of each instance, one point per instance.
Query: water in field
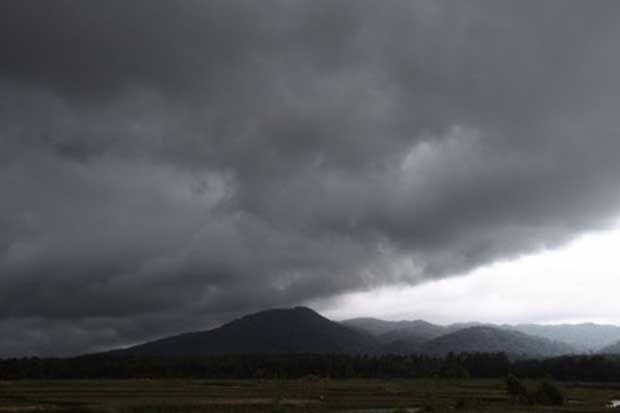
(614, 403)
(384, 410)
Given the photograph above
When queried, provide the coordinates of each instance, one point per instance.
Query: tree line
(291, 366)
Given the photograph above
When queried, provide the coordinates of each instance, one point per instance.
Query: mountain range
(302, 330)
(586, 337)
(582, 338)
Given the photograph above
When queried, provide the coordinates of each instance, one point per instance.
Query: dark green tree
(549, 393)
(517, 390)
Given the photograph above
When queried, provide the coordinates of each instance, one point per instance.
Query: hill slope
(296, 330)
(416, 330)
(484, 339)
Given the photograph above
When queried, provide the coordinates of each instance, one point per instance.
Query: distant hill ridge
(583, 338)
(612, 349)
(484, 339)
(302, 330)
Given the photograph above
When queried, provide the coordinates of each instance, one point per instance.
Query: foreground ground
(303, 395)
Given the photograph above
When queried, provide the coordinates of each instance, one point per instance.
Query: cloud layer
(166, 165)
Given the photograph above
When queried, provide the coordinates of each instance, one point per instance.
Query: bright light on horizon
(576, 283)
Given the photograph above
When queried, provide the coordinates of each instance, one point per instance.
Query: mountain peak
(280, 330)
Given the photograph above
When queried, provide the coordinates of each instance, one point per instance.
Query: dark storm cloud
(167, 165)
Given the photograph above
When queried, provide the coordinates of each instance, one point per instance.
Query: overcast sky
(168, 165)
(575, 284)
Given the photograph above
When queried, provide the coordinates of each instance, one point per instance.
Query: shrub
(549, 393)
(516, 390)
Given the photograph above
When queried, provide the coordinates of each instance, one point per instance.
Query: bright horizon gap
(576, 283)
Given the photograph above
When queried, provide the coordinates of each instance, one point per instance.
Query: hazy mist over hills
(583, 338)
(613, 349)
(587, 337)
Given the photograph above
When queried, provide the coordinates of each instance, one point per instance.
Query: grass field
(304, 395)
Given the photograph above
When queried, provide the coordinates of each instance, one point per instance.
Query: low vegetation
(304, 395)
(547, 392)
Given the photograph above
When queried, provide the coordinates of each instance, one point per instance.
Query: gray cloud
(166, 165)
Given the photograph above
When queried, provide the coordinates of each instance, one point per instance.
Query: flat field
(284, 396)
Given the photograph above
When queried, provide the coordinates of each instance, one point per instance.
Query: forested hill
(484, 339)
(418, 329)
(282, 331)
